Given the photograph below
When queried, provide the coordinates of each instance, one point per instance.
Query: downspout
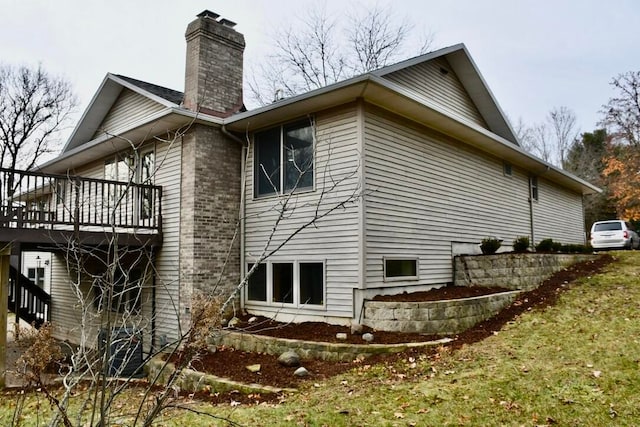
(241, 213)
(533, 237)
(152, 350)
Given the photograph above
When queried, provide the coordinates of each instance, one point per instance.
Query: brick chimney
(213, 75)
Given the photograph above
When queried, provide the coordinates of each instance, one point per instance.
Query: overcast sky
(535, 55)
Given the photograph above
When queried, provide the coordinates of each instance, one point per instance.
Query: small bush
(576, 249)
(490, 245)
(521, 244)
(545, 245)
(548, 245)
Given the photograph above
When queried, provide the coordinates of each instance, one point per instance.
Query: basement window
(300, 283)
(312, 283)
(283, 282)
(400, 268)
(257, 284)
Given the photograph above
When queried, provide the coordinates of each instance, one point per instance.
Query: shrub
(556, 247)
(545, 245)
(521, 244)
(490, 245)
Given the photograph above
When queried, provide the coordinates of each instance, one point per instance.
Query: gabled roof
(465, 68)
(499, 140)
(86, 144)
(105, 97)
(170, 95)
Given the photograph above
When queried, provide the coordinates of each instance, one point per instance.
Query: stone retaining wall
(309, 349)
(434, 317)
(158, 371)
(511, 271)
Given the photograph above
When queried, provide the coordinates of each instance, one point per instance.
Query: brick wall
(209, 211)
(213, 72)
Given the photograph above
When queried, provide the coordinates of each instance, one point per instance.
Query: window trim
(507, 169)
(534, 188)
(400, 278)
(296, 304)
(282, 167)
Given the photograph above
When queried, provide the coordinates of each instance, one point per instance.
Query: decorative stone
(289, 358)
(254, 368)
(233, 322)
(301, 372)
(356, 328)
(341, 336)
(367, 337)
(252, 319)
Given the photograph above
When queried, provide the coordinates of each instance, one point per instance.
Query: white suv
(614, 234)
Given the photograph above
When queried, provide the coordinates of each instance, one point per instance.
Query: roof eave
(164, 121)
(390, 96)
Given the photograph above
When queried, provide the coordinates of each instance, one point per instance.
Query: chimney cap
(208, 14)
(227, 23)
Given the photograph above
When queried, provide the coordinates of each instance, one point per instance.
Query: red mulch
(232, 364)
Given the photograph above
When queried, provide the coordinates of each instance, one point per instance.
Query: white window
(400, 268)
(300, 283)
(533, 188)
(125, 169)
(507, 169)
(36, 275)
(283, 159)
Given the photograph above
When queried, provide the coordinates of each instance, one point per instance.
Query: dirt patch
(232, 364)
(446, 292)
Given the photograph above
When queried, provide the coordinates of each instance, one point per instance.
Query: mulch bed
(232, 364)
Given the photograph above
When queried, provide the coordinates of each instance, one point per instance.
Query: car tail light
(626, 234)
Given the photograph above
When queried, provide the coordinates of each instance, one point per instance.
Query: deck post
(5, 254)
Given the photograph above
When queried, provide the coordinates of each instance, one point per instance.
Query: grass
(574, 364)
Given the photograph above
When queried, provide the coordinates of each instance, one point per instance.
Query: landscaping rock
(254, 368)
(252, 319)
(341, 336)
(289, 358)
(301, 372)
(356, 328)
(367, 337)
(233, 322)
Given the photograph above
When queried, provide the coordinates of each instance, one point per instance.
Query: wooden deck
(47, 210)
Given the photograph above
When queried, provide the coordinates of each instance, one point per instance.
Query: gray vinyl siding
(425, 191)
(167, 260)
(335, 239)
(65, 304)
(128, 109)
(446, 90)
(558, 214)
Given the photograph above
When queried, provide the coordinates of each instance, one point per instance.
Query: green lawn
(574, 364)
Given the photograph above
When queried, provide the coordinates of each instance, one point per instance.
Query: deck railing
(66, 202)
(28, 301)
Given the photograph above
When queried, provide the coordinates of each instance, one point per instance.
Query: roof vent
(208, 14)
(227, 23)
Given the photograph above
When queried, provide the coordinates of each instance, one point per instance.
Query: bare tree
(321, 52)
(563, 127)
(524, 134)
(622, 112)
(542, 142)
(34, 107)
(550, 139)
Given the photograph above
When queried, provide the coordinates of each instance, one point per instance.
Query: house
(402, 168)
